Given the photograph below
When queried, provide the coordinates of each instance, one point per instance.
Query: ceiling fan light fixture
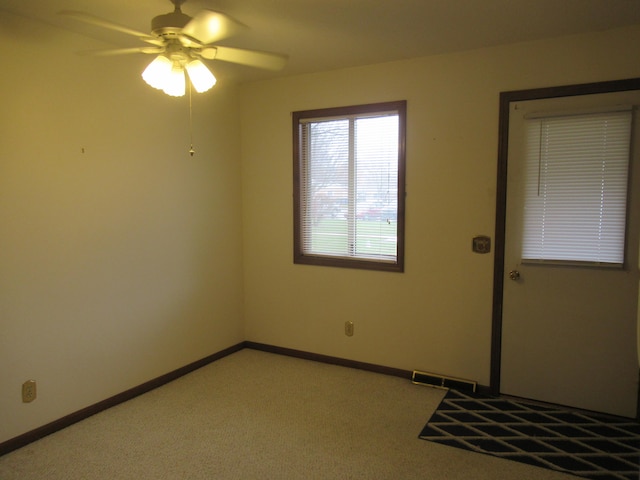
(175, 82)
(180, 42)
(157, 72)
(201, 77)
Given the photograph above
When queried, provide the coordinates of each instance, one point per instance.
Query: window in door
(576, 178)
(349, 186)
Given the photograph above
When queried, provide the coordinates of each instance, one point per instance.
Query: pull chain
(191, 150)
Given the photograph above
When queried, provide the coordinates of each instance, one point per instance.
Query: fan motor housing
(169, 24)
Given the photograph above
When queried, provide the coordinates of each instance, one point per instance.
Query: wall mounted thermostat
(481, 244)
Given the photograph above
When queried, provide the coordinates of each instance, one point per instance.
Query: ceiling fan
(180, 43)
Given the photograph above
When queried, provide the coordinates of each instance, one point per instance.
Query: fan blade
(100, 22)
(252, 58)
(209, 26)
(122, 51)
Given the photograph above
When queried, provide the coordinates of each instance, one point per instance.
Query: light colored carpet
(256, 415)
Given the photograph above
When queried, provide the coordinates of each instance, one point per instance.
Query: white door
(568, 331)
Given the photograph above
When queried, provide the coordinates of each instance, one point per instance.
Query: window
(349, 165)
(576, 188)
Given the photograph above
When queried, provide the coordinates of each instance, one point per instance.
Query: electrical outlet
(29, 391)
(348, 328)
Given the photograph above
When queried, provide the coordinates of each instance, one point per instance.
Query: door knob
(514, 275)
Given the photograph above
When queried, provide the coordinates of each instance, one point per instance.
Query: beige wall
(437, 315)
(121, 263)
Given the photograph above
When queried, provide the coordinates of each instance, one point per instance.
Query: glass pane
(376, 159)
(576, 188)
(326, 228)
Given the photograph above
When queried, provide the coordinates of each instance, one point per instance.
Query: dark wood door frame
(501, 193)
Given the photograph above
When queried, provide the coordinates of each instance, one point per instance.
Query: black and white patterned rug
(588, 445)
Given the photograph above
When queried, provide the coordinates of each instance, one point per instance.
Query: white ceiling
(323, 35)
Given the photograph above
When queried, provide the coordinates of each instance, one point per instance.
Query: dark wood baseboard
(371, 367)
(40, 432)
(396, 372)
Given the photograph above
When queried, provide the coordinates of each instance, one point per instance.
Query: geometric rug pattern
(588, 445)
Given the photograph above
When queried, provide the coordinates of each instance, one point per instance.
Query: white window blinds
(349, 191)
(576, 188)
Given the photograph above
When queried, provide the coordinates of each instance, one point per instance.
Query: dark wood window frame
(300, 257)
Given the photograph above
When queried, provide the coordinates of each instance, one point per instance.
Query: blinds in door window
(576, 178)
